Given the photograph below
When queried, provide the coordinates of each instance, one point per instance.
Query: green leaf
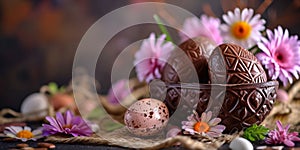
(255, 133)
(162, 28)
(254, 49)
(261, 136)
(251, 138)
(106, 124)
(96, 113)
(53, 88)
(109, 125)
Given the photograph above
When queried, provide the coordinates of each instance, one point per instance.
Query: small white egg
(146, 117)
(35, 102)
(240, 144)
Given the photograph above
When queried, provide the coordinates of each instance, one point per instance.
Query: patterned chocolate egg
(232, 64)
(146, 117)
(197, 51)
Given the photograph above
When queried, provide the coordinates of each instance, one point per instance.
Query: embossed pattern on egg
(146, 117)
(197, 50)
(232, 64)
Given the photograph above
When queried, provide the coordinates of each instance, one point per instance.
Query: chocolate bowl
(238, 105)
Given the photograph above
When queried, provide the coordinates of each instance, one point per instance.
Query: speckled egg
(146, 117)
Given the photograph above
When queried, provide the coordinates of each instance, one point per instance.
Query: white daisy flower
(205, 125)
(243, 28)
(23, 134)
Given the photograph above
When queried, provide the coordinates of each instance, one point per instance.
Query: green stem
(162, 28)
(254, 49)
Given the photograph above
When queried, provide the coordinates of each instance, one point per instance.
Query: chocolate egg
(146, 117)
(232, 64)
(198, 51)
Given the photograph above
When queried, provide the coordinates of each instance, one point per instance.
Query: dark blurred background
(38, 38)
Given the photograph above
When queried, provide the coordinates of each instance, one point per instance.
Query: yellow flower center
(201, 127)
(241, 30)
(25, 134)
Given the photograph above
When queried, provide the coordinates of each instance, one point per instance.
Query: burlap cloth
(121, 137)
(288, 112)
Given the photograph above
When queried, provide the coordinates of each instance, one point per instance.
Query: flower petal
(214, 121)
(208, 27)
(9, 134)
(14, 129)
(53, 122)
(289, 143)
(295, 138)
(60, 119)
(203, 116)
(279, 125)
(213, 134)
(217, 129)
(220, 127)
(38, 131)
(23, 139)
(68, 117)
(27, 128)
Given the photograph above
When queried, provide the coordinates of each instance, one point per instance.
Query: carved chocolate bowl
(238, 105)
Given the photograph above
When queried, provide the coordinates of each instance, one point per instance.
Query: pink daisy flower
(242, 28)
(151, 57)
(282, 136)
(207, 27)
(205, 125)
(280, 55)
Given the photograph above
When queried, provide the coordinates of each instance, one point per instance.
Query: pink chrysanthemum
(151, 57)
(281, 55)
(204, 125)
(282, 136)
(242, 28)
(67, 124)
(207, 27)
